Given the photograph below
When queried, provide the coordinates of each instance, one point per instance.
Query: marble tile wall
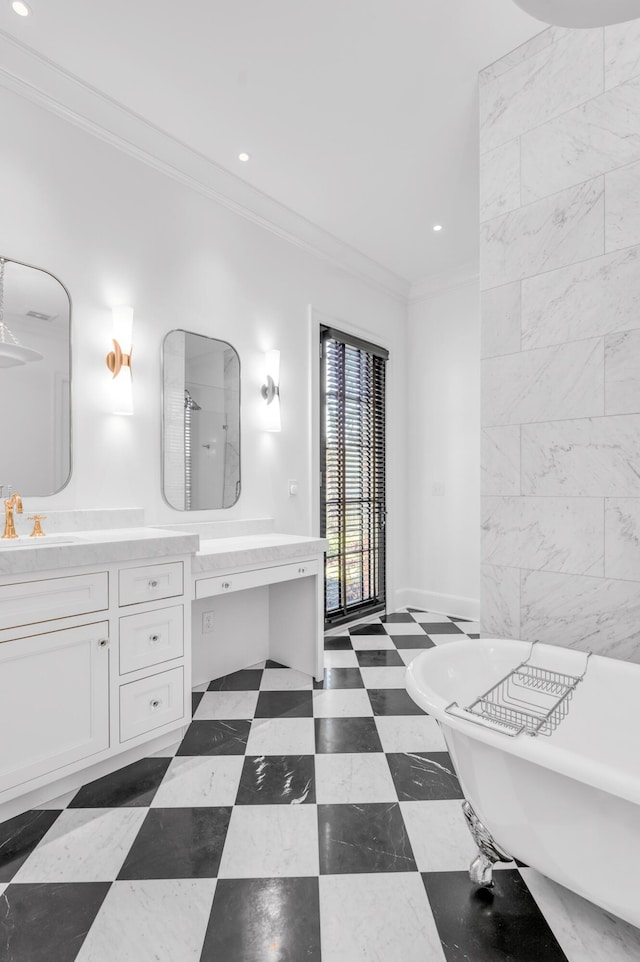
(560, 279)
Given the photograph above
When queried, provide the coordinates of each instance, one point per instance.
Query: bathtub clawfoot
(481, 869)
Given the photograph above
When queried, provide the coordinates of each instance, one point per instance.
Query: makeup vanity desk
(257, 597)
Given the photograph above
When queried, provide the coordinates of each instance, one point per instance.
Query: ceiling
(359, 115)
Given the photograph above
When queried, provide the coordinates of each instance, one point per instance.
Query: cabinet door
(54, 701)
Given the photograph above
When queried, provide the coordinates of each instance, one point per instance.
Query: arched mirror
(200, 422)
(35, 380)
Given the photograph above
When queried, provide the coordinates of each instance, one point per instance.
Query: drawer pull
(153, 583)
(155, 703)
(103, 642)
(302, 571)
(154, 639)
(226, 585)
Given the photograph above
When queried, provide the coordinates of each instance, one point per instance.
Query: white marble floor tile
(371, 642)
(151, 920)
(282, 736)
(377, 918)
(285, 679)
(340, 659)
(226, 704)
(430, 617)
(3, 886)
(410, 733)
(404, 628)
(194, 781)
(408, 654)
(271, 841)
(394, 677)
(350, 779)
(60, 801)
(202, 687)
(83, 845)
(585, 932)
(439, 836)
(446, 639)
(469, 627)
(341, 703)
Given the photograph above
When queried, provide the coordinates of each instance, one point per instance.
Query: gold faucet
(11, 504)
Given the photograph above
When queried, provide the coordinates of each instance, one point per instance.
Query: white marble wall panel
(551, 233)
(524, 52)
(622, 372)
(500, 460)
(552, 534)
(562, 75)
(500, 180)
(592, 457)
(592, 614)
(500, 310)
(622, 539)
(500, 599)
(622, 223)
(621, 53)
(592, 139)
(594, 297)
(564, 381)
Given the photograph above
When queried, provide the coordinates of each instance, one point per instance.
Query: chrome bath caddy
(531, 699)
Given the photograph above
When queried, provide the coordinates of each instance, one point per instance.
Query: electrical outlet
(208, 623)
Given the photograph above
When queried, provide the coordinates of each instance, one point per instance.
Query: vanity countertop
(78, 548)
(220, 554)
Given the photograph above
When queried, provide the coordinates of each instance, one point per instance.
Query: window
(353, 505)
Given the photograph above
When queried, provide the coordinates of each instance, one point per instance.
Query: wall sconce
(271, 390)
(119, 360)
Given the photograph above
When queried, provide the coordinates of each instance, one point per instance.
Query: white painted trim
(434, 284)
(45, 83)
(452, 605)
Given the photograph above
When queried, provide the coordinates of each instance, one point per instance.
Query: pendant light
(12, 351)
(581, 13)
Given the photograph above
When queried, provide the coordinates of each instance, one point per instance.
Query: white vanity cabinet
(94, 662)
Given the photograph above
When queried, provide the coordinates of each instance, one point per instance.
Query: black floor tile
(397, 617)
(340, 678)
(48, 922)
(381, 658)
(269, 663)
(196, 698)
(246, 680)
(337, 643)
(453, 618)
(284, 704)
(412, 641)
(178, 843)
(473, 636)
(133, 786)
(277, 780)
(441, 628)
(363, 838)
(419, 611)
(216, 738)
(18, 838)
(424, 776)
(253, 920)
(375, 628)
(503, 924)
(393, 701)
(353, 735)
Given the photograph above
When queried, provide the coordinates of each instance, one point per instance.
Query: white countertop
(220, 554)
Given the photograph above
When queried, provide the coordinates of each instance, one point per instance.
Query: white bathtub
(567, 804)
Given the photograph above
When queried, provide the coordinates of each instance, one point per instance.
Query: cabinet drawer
(151, 637)
(151, 703)
(239, 580)
(29, 602)
(150, 582)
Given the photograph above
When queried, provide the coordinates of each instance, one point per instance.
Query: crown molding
(434, 284)
(45, 83)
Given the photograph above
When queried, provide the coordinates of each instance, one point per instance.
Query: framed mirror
(35, 380)
(200, 422)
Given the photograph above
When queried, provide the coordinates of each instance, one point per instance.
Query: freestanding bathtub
(566, 803)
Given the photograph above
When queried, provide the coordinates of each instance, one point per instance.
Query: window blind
(353, 458)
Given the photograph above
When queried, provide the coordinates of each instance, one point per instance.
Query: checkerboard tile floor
(295, 821)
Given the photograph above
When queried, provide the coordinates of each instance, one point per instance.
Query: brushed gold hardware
(37, 529)
(14, 503)
(116, 360)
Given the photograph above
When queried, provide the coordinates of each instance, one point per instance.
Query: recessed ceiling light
(20, 8)
(437, 227)
(244, 157)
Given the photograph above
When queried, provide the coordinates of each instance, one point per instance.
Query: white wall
(443, 440)
(117, 231)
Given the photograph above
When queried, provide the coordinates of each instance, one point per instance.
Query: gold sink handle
(14, 503)
(37, 530)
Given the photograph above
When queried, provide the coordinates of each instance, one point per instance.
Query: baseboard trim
(454, 605)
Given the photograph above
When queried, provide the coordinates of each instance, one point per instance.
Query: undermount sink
(38, 542)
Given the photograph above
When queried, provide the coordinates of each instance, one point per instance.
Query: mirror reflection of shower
(189, 406)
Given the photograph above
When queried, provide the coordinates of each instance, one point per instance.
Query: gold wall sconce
(271, 390)
(119, 359)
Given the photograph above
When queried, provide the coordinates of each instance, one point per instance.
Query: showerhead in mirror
(189, 403)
